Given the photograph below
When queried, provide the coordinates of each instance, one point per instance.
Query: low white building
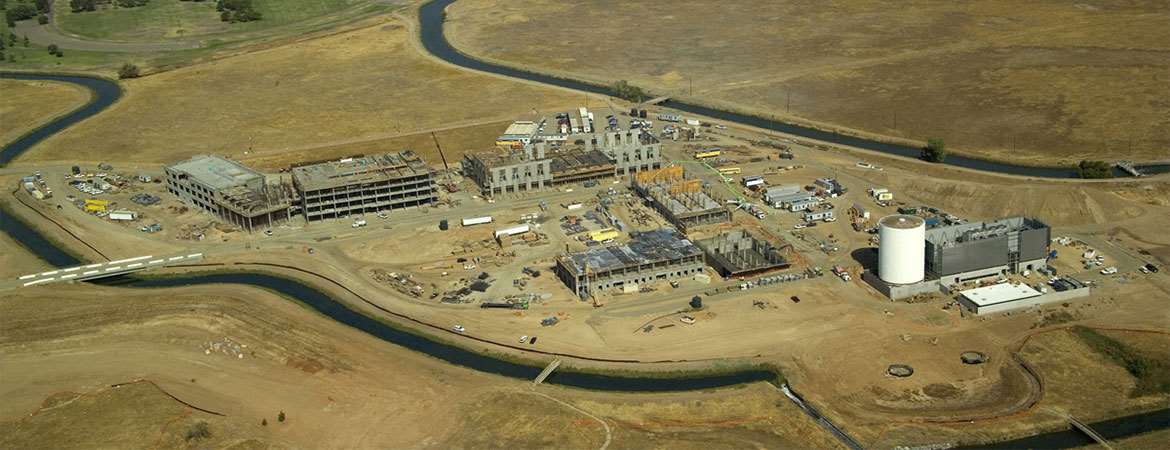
(1000, 298)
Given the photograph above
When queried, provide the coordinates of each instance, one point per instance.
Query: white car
(1109, 271)
(458, 328)
(799, 226)
(523, 339)
(720, 127)
(830, 219)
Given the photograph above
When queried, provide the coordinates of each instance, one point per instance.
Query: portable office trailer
(477, 221)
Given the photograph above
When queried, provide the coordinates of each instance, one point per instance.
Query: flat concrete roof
(999, 293)
(217, 172)
(365, 169)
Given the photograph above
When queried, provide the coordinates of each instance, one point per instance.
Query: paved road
(47, 34)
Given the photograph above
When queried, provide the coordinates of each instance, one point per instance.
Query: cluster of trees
(236, 11)
(11, 44)
(24, 11)
(91, 5)
(1095, 169)
(55, 50)
(629, 92)
(935, 150)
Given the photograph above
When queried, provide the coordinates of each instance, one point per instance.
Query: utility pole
(895, 119)
(788, 101)
(692, 89)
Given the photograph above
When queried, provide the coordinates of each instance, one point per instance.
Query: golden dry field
(1043, 82)
(362, 85)
(25, 105)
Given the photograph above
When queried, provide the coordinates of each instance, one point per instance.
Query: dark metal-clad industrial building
(367, 184)
(970, 251)
(649, 256)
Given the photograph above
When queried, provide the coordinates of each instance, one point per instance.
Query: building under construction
(682, 201)
(231, 191)
(534, 166)
(737, 253)
(648, 257)
(367, 184)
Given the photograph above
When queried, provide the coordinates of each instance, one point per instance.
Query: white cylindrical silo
(901, 249)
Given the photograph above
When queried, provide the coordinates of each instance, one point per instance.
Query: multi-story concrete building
(631, 151)
(229, 190)
(650, 256)
(366, 184)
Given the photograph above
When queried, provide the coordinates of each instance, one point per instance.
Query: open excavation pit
(737, 253)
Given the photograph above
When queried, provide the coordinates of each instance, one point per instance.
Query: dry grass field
(338, 387)
(1041, 82)
(362, 85)
(26, 105)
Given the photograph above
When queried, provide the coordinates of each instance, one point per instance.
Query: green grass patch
(1152, 374)
(174, 19)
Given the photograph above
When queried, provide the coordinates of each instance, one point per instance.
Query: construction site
(736, 253)
(684, 202)
(648, 257)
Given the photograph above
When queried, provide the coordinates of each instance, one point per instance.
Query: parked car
(523, 339)
(799, 226)
(795, 299)
(532, 341)
(458, 328)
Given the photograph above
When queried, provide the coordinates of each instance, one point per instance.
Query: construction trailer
(738, 253)
(776, 194)
(648, 257)
(813, 216)
(684, 202)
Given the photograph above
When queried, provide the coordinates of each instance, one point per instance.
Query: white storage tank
(901, 249)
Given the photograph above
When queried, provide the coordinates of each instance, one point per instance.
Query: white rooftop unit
(901, 249)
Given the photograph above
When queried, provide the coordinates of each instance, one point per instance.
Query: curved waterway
(106, 92)
(432, 16)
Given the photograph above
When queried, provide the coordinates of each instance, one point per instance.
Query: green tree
(1094, 169)
(26, 42)
(935, 150)
(43, 5)
(629, 92)
(128, 70)
(42, 19)
(264, 422)
(280, 416)
(83, 5)
(21, 11)
(52, 48)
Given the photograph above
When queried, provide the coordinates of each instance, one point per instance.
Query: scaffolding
(682, 201)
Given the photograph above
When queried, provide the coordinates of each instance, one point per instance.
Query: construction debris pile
(403, 283)
(225, 346)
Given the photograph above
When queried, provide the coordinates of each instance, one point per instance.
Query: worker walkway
(655, 101)
(548, 370)
(102, 270)
(1089, 431)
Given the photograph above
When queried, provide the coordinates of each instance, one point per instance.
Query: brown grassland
(29, 104)
(1044, 82)
(358, 86)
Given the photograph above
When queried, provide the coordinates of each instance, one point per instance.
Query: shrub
(200, 430)
(128, 71)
